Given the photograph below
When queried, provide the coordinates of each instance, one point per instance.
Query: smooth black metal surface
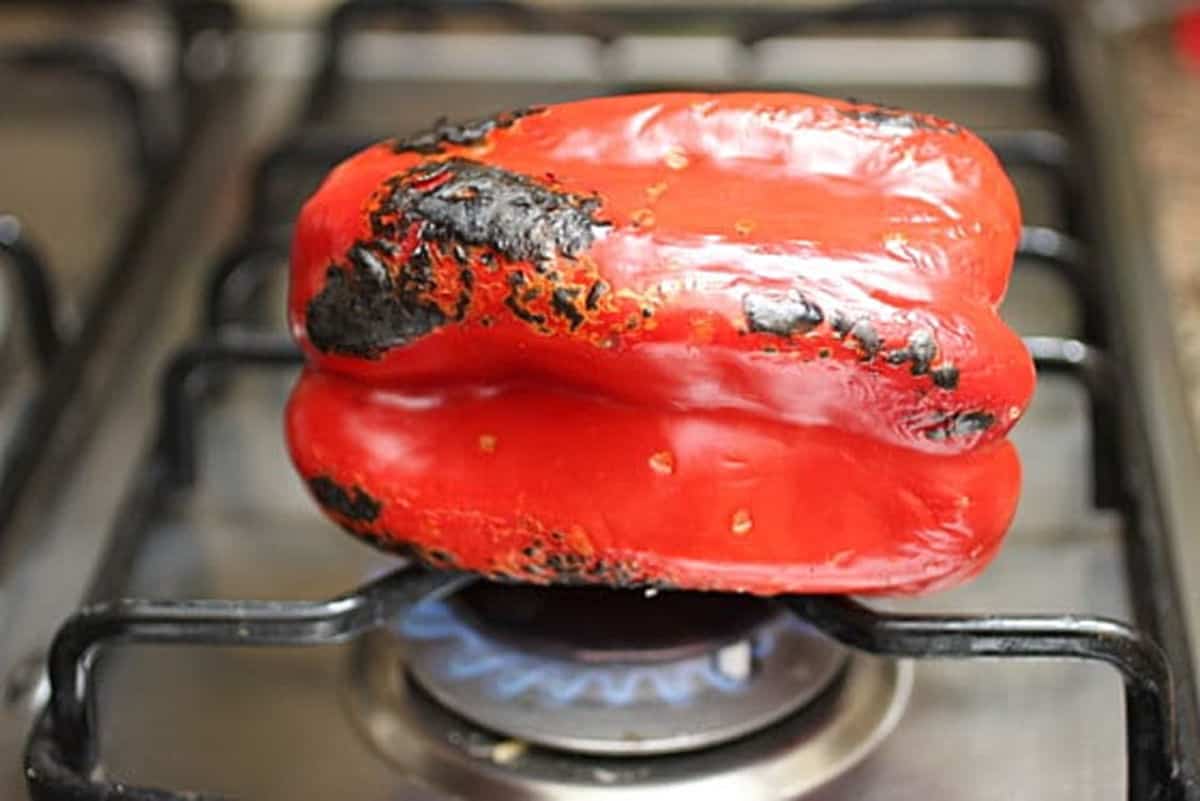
(81, 58)
(1067, 257)
(190, 19)
(1158, 453)
(1089, 366)
(1152, 751)
(178, 423)
(1042, 150)
(421, 14)
(1045, 152)
(24, 453)
(62, 753)
(187, 18)
(1042, 21)
(237, 276)
(304, 151)
(37, 291)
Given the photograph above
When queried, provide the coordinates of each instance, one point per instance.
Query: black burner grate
(158, 158)
(62, 750)
(1160, 713)
(36, 289)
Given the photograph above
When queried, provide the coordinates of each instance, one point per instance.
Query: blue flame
(509, 673)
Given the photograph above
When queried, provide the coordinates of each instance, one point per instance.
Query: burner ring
(714, 689)
(788, 759)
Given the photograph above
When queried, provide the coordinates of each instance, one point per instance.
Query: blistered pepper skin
(743, 342)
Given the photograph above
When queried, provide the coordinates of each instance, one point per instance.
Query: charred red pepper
(738, 342)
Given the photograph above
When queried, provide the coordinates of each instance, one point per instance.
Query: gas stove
(314, 667)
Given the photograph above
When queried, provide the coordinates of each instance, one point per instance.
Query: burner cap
(596, 625)
(616, 672)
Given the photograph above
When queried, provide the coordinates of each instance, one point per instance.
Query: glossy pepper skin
(739, 342)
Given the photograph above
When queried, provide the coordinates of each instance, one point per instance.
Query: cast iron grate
(158, 158)
(34, 288)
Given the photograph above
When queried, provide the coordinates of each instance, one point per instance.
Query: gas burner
(474, 696)
(616, 672)
(594, 625)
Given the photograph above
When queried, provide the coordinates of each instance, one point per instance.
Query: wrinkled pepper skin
(735, 342)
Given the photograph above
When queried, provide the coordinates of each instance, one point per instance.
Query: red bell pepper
(740, 342)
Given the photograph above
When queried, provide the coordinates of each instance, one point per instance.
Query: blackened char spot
(377, 299)
(524, 314)
(782, 316)
(515, 298)
(945, 376)
(466, 202)
(898, 119)
(385, 246)
(469, 133)
(379, 541)
(440, 558)
(562, 301)
(432, 557)
(367, 263)
(362, 310)
(868, 339)
(960, 424)
(840, 324)
(467, 279)
(923, 350)
(972, 423)
(573, 569)
(555, 563)
(419, 270)
(594, 294)
(920, 351)
(611, 573)
(353, 504)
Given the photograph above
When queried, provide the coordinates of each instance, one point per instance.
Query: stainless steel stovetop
(1104, 500)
